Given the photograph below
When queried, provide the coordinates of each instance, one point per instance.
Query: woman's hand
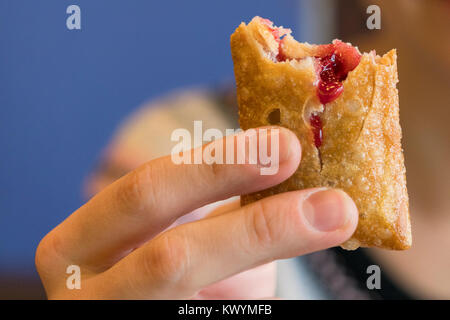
(120, 242)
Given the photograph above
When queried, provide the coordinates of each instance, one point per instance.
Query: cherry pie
(343, 106)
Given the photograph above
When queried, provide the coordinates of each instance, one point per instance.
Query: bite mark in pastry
(343, 106)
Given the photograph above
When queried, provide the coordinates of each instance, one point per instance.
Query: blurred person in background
(419, 31)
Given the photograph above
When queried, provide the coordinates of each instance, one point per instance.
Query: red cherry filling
(335, 61)
(278, 33)
(331, 75)
(280, 56)
(329, 91)
(316, 124)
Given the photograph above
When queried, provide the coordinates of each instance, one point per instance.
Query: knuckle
(40, 254)
(46, 254)
(137, 192)
(263, 225)
(130, 191)
(167, 260)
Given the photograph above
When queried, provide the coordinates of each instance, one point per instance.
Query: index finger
(146, 201)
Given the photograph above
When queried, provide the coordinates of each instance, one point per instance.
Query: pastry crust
(361, 151)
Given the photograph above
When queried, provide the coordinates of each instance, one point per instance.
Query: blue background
(62, 92)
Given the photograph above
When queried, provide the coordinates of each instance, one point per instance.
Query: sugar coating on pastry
(343, 107)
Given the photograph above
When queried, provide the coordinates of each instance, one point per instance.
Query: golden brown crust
(361, 151)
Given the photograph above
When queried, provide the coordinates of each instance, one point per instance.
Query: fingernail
(279, 145)
(328, 210)
(286, 144)
(268, 147)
